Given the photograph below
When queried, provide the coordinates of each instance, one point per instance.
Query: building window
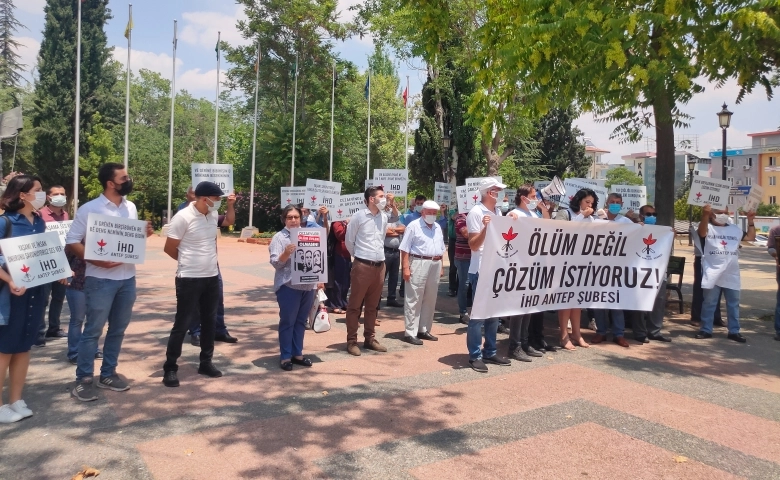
(730, 162)
(731, 200)
(773, 180)
(763, 141)
(748, 181)
(750, 161)
(772, 161)
(730, 180)
(772, 199)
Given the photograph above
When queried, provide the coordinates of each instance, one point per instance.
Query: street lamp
(445, 147)
(692, 160)
(724, 118)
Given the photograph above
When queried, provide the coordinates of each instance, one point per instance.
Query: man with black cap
(192, 241)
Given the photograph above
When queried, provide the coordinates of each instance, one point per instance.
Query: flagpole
(332, 104)
(216, 118)
(406, 140)
(295, 119)
(254, 141)
(127, 90)
(368, 138)
(13, 159)
(78, 115)
(173, 104)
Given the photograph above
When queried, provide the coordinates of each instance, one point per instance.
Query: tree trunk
(664, 162)
(433, 73)
(494, 159)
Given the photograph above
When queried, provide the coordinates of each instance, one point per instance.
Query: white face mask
(430, 219)
(381, 204)
(532, 204)
(418, 208)
(58, 200)
(40, 200)
(722, 218)
(215, 206)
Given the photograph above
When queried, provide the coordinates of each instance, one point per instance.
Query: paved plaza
(689, 409)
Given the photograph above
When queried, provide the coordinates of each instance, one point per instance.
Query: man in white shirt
(109, 287)
(476, 222)
(365, 240)
(192, 242)
(422, 249)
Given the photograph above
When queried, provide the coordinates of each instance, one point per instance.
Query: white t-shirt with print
(474, 225)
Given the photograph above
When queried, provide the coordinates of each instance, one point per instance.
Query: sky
(196, 69)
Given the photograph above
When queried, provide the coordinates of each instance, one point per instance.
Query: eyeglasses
(294, 217)
(650, 214)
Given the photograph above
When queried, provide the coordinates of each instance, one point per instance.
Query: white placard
(442, 193)
(35, 259)
(115, 239)
(221, 174)
(370, 183)
(509, 195)
(709, 191)
(574, 185)
(466, 199)
(393, 181)
(753, 199)
(293, 196)
(594, 181)
(540, 184)
(322, 192)
(348, 205)
(309, 260)
(634, 196)
(60, 228)
(473, 182)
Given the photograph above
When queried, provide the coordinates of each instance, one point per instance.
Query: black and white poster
(310, 262)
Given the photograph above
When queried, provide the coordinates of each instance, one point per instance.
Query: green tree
(768, 210)
(562, 149)
(682, 209)
(101, 150)
(10, 67)
(622, 176)
(52, 113)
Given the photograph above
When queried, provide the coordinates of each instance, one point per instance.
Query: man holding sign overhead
(109, 285)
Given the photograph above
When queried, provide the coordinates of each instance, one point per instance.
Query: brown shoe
(353, 349)
(621, 341)
(598, 339)
(374, 345)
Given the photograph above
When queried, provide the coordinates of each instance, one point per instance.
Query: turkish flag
(405, 96)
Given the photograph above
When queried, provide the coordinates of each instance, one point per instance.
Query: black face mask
(125, 188)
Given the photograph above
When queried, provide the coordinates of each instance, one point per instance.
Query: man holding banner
(109, 285)
(53, 213)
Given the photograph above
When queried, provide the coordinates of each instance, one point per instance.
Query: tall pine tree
(55, 91)
(562, 150)
(10, 67)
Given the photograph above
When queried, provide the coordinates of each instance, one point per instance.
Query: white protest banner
(348, 205)
(532, 265)
(60, 228)
(709, 191)
(293, 196)
(115, 239)
(442, 193)
(35, 259)
(574, 185)
(753, 199)
(466, 199)
(634, 196)
(310, 260)
(393, 181)
(321, 192)
(217, 173)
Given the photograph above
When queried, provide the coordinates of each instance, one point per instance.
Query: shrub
(267, 209)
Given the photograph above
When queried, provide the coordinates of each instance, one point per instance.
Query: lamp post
(724, 118)
(445, 147)
(692, 159)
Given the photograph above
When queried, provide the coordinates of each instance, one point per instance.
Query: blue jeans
(77, 303)
(602, 322)
(474, 331)
(711, 300)
(107, 301)
(221, 328)
(777, 307)
(463, 281)
(294, 308)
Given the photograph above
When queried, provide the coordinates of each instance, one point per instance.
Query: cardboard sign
(473, 183)
(574, 185)
(348, 205)
(442, 193)
(753, 198)
(115, 239)
(509, 195)
(35, 259)
(393, 181)
(634, 196)
(322, 192)
(309, 260)
(60, 228)
(709, 191)
(217, 173)
(466, 199)
(293, 196)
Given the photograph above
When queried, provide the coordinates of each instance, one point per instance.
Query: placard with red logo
(321, 193)
(35, 259)
(348, 205)
(115, 239)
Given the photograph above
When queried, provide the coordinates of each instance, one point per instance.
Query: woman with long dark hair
(21, 201)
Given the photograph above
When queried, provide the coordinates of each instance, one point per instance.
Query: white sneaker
(592, 325)
(20, 407)
(9, 415)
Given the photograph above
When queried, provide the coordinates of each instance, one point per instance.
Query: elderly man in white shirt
(365, 240)
(421, 252)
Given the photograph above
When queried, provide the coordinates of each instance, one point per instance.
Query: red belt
(423, 257)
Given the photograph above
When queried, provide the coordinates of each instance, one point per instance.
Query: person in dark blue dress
(21, 200)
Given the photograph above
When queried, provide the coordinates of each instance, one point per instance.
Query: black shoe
(56, 334)
(209, 370)
(412, 340)
(98, 354)
(777, 337)
(40, 343)
(304, 362)
(718, 323)
(532, 352)
(74, 361)
(452, 294)
(226, 337)
(427, 336)
(547, 347)
(478, 365)
(195, 340)
(642, 339)
(702, 335)
(503, 329)
(737, 337)
(286, 366)
(496, 360)
(519, 354)
(659, 338)
(170, 379)
(394, 303)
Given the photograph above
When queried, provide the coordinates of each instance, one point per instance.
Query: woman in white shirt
(581, 209)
